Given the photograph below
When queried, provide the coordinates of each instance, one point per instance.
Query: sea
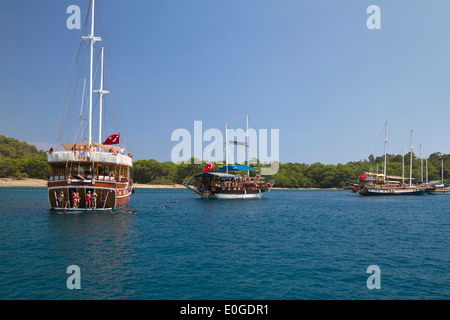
(289, 245)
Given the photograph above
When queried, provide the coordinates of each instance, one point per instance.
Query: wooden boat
(393, 190)
(391, 187)
(223, 185)
(90, 175)
(438, 189)
(105, 173)
(226, 185)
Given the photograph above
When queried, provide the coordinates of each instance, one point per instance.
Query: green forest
(21, 160)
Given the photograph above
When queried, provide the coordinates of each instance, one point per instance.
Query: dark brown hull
(110, 195)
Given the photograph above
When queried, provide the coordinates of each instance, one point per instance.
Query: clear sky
(310, 68)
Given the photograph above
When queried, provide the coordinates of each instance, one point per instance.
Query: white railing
(106, 157)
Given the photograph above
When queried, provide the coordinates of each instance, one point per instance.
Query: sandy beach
(157, 186)
(11, 182)
(38, 183)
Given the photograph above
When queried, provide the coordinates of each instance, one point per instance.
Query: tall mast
(421, 164)
(410, 163)
(442, 169)
(385, 151)
(226, 148)
(101, 92)
(246, 145)
(403, 167)
(92, 40)
(426, 169)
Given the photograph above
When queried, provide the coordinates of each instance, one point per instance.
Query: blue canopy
(236, 168)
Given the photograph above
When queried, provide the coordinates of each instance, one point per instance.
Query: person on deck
(94, 200)
(66, 202)
(61, 199)
(74, 199)
(88, 200)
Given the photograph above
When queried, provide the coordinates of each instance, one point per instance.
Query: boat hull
(439, 192)
(392, 191)
(229, 193)
(109, 195)
(238, 195)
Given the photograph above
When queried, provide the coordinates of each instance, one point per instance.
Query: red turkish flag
(209, 167)
(363, 176)
(112, 139)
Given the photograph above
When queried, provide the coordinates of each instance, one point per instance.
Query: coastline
(40, 183)
(30, 183)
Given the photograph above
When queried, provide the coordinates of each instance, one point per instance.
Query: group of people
(90, 199)
(244, 182)
(83, 152)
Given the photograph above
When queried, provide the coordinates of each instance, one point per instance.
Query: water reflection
(102, 245)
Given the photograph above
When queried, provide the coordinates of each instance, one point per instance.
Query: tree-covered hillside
(21, 160)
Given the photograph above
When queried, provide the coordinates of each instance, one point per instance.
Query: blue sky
(311, 69)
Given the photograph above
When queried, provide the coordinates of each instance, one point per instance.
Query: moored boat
(223, 185)
(90, 175)
(393, 187)
(226, 185)
(438, 189)
(75, 176)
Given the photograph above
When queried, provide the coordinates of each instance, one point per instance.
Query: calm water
(290, 245)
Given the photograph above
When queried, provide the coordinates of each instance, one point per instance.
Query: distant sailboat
(392, 187)
(227, 183)
(439, 188)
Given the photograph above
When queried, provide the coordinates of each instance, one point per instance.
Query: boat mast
(410, 163)
(226, 148)
(92, 40)
(442, 169)
(403, 167)
(385, 151)
(426, 169)
(246, 145)
(101, 92)
(421, 164)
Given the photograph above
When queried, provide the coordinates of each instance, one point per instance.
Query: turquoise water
(289, 245)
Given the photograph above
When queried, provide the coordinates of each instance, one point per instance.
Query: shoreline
(40, 183)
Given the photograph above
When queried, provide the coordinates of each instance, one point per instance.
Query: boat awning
(399, 178)
(236, 168)
(217, 174)
(68, 146)
(375, 174)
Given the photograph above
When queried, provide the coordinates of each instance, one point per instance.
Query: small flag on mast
(209, 167)
(363, 176)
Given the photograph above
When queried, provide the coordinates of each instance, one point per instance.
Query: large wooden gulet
(90, 175)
